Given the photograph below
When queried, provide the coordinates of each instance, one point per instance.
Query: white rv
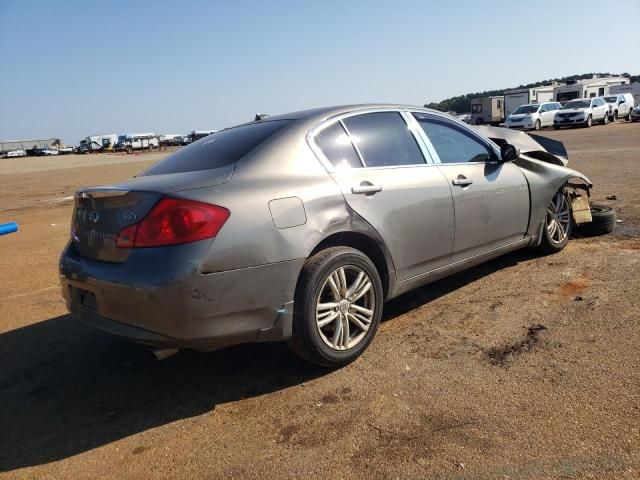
(516, 98)
(487, 110)
(593, 87)
(632, 88)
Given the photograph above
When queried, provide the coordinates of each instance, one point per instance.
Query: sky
(69, 69)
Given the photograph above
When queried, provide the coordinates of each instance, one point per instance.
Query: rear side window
(384, 140)
(337, 147)
(218, 149)
(451, 144)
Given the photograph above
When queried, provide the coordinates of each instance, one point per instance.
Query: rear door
(491, 198)
(385, 177)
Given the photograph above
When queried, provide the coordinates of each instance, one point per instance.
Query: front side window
(452, 144)
(384, 139)
(337, 147)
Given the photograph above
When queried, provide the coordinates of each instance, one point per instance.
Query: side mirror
(509, 152)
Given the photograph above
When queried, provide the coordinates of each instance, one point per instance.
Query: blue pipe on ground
(8, 228)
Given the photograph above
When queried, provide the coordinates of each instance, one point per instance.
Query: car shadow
(66, 388)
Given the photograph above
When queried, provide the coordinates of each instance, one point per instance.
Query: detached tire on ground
(603, 221)
(338, 306)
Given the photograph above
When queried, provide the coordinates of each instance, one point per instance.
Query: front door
(384, 177)
(491, 198)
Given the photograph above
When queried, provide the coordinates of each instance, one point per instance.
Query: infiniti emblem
(94, 216)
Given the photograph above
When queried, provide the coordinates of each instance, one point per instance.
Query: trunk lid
(101, 213)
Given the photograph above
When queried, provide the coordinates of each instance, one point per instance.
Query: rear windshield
(218, 149)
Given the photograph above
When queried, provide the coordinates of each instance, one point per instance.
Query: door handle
(462, 181)
(366, 188)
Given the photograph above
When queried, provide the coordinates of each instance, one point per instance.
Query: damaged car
(299, 227)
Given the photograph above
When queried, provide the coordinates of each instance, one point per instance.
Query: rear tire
(558, 224)
(603, 221)
(339, 292)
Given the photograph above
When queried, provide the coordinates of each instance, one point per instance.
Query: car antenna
(260, 116)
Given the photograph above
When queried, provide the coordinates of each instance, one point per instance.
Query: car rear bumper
(181, 309)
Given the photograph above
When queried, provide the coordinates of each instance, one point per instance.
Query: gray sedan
(299, 227)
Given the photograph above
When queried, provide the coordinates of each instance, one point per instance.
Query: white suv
(533, 116)
(582, 112)
(620, 106)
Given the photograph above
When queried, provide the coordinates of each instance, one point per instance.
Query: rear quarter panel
(283, 168)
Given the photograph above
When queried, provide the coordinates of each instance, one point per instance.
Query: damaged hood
(531, 145)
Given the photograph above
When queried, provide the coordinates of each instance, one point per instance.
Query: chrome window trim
(353, 144)
(403, 112)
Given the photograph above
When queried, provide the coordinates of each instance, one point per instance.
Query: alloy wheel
(345, 307)
(558, 218)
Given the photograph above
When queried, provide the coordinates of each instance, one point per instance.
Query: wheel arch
(372, 248)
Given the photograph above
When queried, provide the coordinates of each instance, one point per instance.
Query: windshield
(577, 104)
(526, 109)
(218, 149)
(610, 99)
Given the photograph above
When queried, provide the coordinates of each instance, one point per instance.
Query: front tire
(338, 306)
(589, 122)
(605, 119)
(558, 224)
(537, 125)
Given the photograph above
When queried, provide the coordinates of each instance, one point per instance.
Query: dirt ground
(526, 367)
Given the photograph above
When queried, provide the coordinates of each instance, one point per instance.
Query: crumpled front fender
(544, 180)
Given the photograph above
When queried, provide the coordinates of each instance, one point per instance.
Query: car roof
(327, 112)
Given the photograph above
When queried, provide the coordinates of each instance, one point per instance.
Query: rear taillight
(172, 221)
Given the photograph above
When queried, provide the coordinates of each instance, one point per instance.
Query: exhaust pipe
(162, 353)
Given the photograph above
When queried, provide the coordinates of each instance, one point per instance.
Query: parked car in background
(65, 149)
(170, 140)
(17, 153)
(464, 117)
(48, 151)
(291, 229)
(137, 141)
(533, 116)
(620, 106)
(582, 113)
(635, 114)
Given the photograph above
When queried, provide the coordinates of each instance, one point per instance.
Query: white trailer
(592, 87)
(487, 110)
(516, 98)
(632, 88)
